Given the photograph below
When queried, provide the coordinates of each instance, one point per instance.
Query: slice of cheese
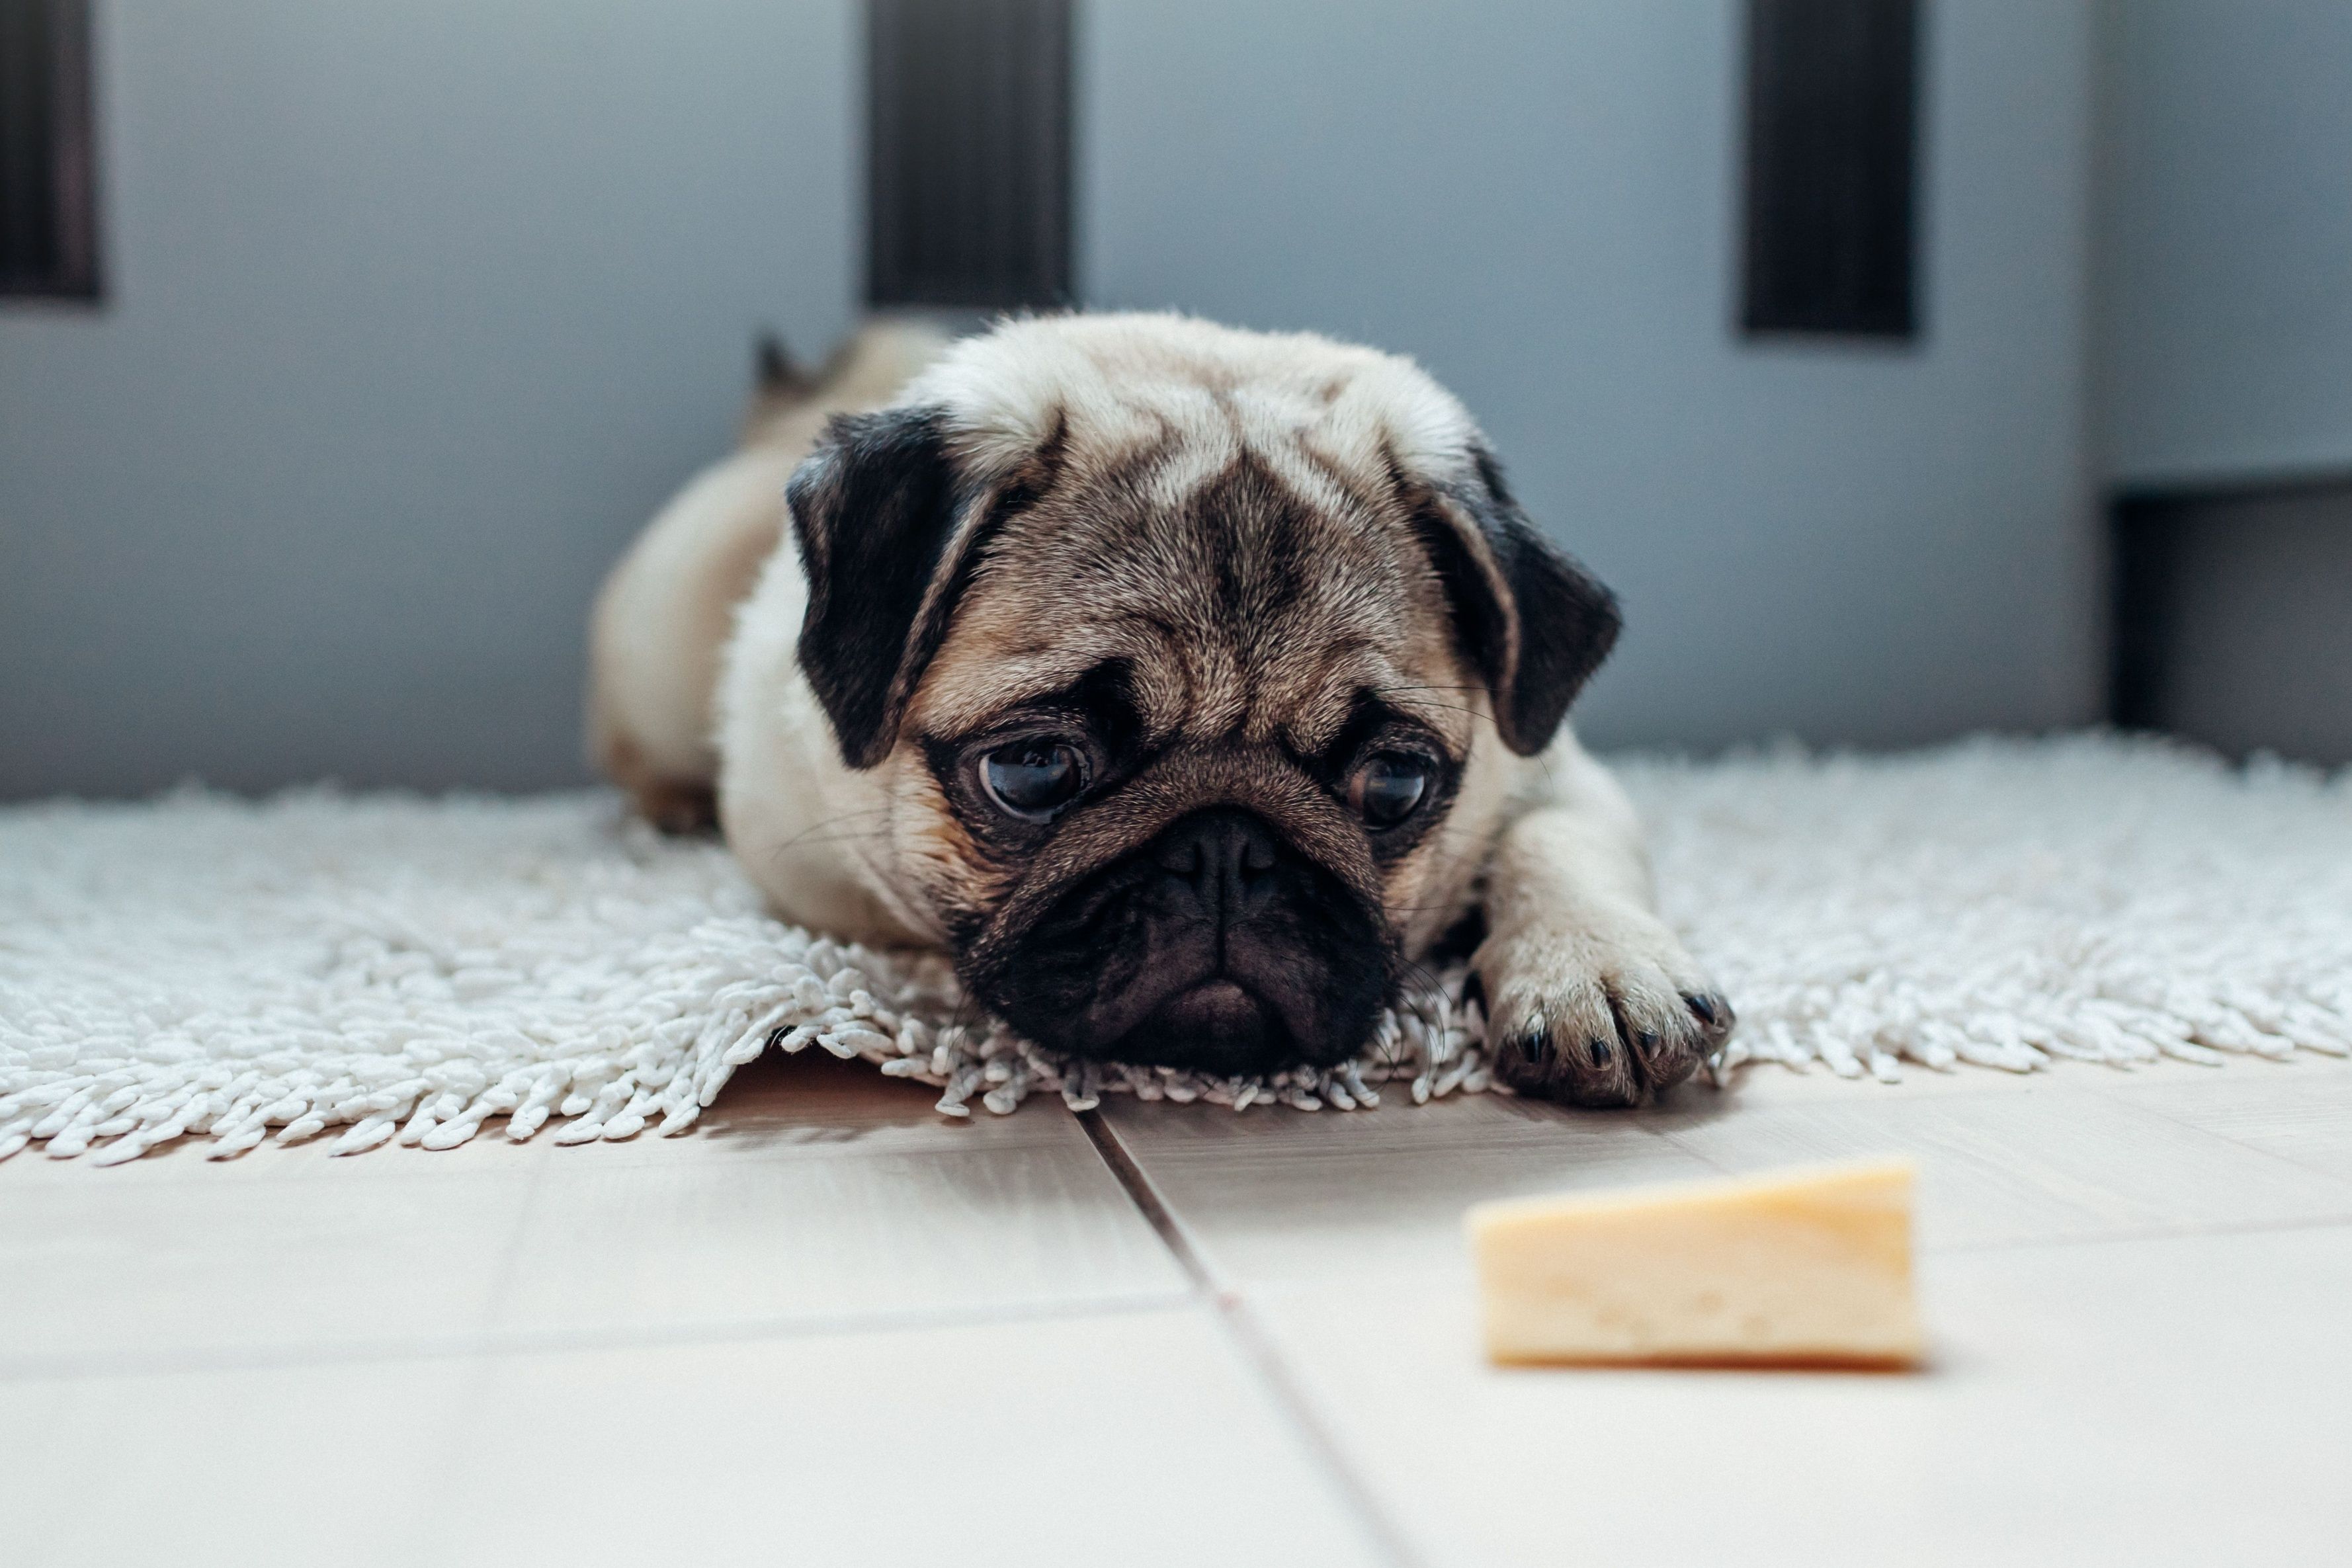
(1810, 1266)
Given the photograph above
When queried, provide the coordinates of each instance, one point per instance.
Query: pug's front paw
(1600, 1013)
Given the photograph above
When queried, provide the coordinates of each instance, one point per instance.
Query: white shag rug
(401, 968)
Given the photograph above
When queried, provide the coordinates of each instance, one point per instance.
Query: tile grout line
(1249, 1337)
(2178, 1120)
(2222, 1229)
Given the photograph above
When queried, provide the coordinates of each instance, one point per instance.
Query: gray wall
(418, 308)
(2226, 239)
(1538, 200)
(2224, 355)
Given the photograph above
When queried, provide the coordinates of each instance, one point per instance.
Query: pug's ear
(1533, 620)
(876, 508)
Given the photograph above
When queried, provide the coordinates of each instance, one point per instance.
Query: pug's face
(1191, 663)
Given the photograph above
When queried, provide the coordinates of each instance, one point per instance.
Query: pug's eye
(1033, 780)
(1388, 786)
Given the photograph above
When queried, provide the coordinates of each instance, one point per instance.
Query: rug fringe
(387, 968)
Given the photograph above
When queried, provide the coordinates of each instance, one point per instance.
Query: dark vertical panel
(2143, 541)
(2233, 617)
(1833, 107)
(48, 205)
(967, 153)
(28, 239)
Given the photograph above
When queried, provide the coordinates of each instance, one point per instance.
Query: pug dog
(1190, 687)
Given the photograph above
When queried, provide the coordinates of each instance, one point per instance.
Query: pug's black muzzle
(1215, 947)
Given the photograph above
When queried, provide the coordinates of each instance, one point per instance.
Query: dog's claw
(1715, 1015)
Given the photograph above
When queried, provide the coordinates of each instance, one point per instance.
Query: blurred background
(1909, 368)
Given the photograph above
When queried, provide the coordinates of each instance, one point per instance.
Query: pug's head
(1190, 661)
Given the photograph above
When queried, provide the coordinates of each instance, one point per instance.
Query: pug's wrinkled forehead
(1255, 533)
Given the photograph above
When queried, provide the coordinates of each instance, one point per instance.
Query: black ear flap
(875, 509)
(1534, 622)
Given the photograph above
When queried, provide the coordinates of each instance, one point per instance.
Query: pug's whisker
(830, 821)
(1423, 985)
(1425, 706)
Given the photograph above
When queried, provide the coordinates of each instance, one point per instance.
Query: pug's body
(1188, 685)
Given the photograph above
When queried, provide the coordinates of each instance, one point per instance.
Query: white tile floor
(831, 1328)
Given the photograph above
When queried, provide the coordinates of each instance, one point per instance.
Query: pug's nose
(1224, 861)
